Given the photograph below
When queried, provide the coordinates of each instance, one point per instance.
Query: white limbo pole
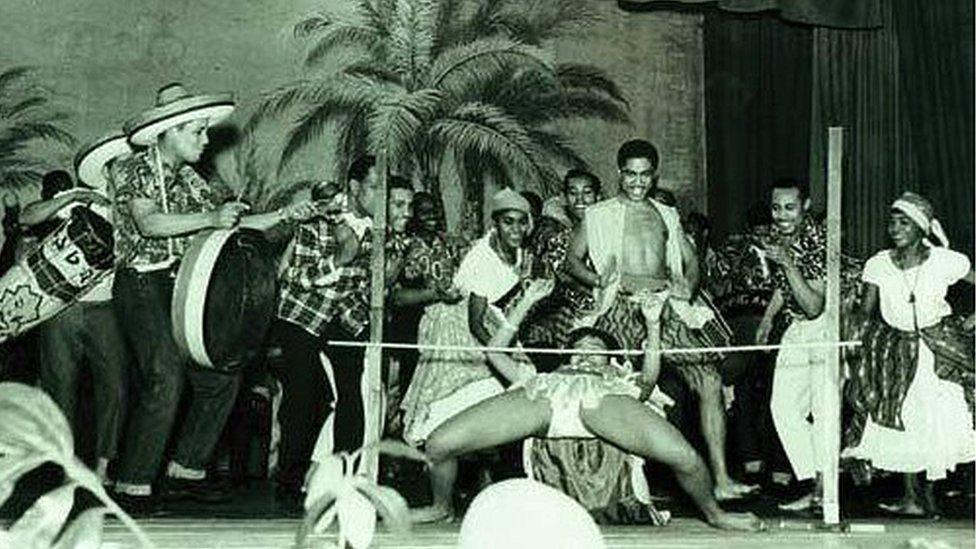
(830, 423)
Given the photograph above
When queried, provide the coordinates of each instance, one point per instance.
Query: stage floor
(681, 534)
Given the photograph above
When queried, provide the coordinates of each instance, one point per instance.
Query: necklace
(904, 264)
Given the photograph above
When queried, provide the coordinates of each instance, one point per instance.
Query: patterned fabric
(182, 192)
(432, 261)
(625, 321)
(883, 369)
(342, 291)
(554, 317)
(808, 248)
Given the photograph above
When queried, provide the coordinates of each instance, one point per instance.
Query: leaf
(357, 519)
(482, 57)
(12, 467)
(389, 503)
(42, 522)
(31, 419)
(85, 532)
(326, 478)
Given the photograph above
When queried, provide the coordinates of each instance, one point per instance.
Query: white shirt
(929, 282)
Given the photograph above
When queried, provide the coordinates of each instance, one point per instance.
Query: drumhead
(225, 297)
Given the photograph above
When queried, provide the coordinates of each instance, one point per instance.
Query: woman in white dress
(448, 382)
(911, 385)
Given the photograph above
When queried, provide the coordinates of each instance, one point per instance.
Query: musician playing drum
(160, 202)
(87, 330)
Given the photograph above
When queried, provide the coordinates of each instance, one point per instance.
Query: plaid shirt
(184, 191)
(341, 292)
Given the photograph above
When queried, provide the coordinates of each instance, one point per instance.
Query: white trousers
(797, 396)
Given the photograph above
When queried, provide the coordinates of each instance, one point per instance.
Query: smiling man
(796, 246)
(637, 246)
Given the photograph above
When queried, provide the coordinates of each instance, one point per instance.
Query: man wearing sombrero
(160, 202)
(87, 331)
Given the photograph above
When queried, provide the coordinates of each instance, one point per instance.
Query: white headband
(929, 226)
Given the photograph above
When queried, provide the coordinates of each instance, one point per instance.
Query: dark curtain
(936, 42)
(904, 95)
(757, 104)
(849, 14)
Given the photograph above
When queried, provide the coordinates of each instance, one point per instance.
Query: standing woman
(448, 382)
(912, 385)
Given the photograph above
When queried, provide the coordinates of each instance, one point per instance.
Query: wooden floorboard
(681, 534)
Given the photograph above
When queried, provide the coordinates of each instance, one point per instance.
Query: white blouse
(929, 282)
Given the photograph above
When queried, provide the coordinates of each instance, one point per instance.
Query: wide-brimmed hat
(95, 155)
(175, 106)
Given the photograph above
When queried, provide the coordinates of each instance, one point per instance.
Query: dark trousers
(87, 333)
(143, 304)
(308, 396)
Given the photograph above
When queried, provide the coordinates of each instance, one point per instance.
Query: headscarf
(508, 199)
(919, 209)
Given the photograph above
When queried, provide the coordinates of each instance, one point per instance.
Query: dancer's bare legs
(496, 421)
(627, 423)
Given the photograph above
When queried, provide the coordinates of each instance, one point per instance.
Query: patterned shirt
(342, 291)
(432, 261)
(182, 192)
(809, 252)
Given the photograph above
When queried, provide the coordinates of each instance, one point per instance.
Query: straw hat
(175, 106)
(95, 155)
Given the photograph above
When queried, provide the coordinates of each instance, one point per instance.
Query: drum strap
(161, 181)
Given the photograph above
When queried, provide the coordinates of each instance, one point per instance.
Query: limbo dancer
(911, 385)
(588, 397)
(607, 481)
(160, 202)
(796, 245)
(636, 243)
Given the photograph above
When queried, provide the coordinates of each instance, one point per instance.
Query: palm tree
(428, 82)
(26, 115)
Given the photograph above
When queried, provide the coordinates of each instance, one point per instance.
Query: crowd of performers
(581, 270)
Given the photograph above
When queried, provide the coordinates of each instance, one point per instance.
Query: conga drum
(66, 264)
(224, 299)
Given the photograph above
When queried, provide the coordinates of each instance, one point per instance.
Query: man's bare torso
(643, 259)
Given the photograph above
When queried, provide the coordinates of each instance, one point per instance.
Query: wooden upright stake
(372, 376)
(830, 423)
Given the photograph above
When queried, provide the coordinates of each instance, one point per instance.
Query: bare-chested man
(636, 244)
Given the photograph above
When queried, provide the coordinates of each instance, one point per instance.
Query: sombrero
(95, 155)
(175, 106)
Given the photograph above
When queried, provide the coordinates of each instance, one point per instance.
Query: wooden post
(830, 423)
(372, 376)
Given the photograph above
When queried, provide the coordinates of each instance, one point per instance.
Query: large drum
(225, 297)
(66, 264)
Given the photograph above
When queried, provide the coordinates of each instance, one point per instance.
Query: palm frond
(481, 58)
(448, 12)
(14, 76)
(489, 131)
(534, 23)
(397, 119)
(26, 131)
(560, 148)
(372, 70)
(332, 102)
(588, 77)
(378, 14)
(23, 108)
(279, 100)
(20, 179)
(312, 25)
(482, 23)
(352, 135)
(565, 105)
(412, 39)
(341, 35)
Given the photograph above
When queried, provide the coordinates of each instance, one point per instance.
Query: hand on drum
(88, 197)
(228, 215)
